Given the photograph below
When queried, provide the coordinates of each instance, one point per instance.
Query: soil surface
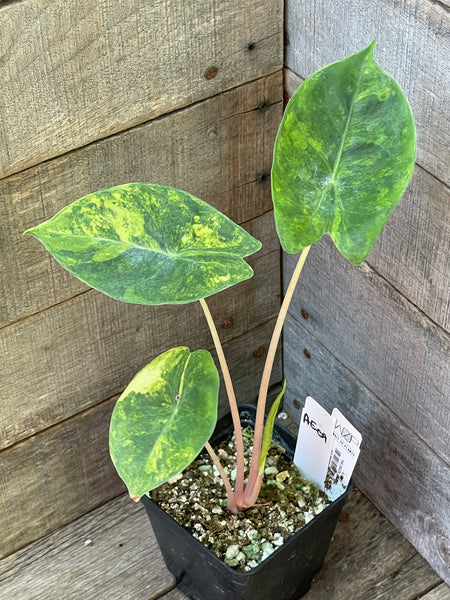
(197, 500)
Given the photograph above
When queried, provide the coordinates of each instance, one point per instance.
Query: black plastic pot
(284, 575)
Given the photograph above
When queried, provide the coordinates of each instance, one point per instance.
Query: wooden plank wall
(95, 94)
(374, 340)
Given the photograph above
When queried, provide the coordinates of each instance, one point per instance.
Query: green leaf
(343, 157)
(164, 418)
(268, 429)
(148, 244)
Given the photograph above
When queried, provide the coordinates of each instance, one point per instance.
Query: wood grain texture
(122, 561)
(56, 476)
(413, 251)
(401, 353)
(440, 592)
(220, 150)
(74, 355)
(79, 73)
(400, 473)
(413, 45)
(174, 594)
(61, 473)
(367, 560)
(391, 346)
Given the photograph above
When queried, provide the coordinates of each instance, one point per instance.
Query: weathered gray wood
(375, 332)
(122, 561)
(54, 477)
(70, 357)
(413, 251)
(404, 478)
(219, 150)
(367, 560)
(73, 73)
(61, 473)
(246, 357)
(291, 82)
(441, 592)
(413, 45)
(174, 594)
(391, 346)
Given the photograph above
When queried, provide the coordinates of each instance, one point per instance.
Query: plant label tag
(314, 442)
(344, 454)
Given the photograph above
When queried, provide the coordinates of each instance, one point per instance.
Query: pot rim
(292, 537)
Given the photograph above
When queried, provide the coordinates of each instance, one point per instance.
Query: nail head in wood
(259, 352)
(211, 72)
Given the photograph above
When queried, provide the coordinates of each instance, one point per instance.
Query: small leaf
(343, 157)
(148, 244)
(268, 429)
(164, 418)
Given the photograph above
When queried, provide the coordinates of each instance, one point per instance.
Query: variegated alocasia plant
(343, 157)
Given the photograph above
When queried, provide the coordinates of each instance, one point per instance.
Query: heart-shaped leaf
(148, 244)
(164, 418)
(343, 157)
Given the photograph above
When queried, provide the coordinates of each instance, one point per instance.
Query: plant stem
(231, 504)
(239, 487)
(253, 480)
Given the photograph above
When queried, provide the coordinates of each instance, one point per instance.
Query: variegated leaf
(343, 157)
(164, 418)
(148, 244)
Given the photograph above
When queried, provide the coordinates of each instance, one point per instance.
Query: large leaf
(164, 418)
(343, 157)
(148, 244)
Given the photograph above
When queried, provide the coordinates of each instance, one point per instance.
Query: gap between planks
(137, 126)
(243, 224)
(112, 551)
(81, 413)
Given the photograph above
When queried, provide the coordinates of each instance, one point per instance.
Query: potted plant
(343, 157)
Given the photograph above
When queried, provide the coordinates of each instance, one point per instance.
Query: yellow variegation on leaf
(148, 244)
(164, 418)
